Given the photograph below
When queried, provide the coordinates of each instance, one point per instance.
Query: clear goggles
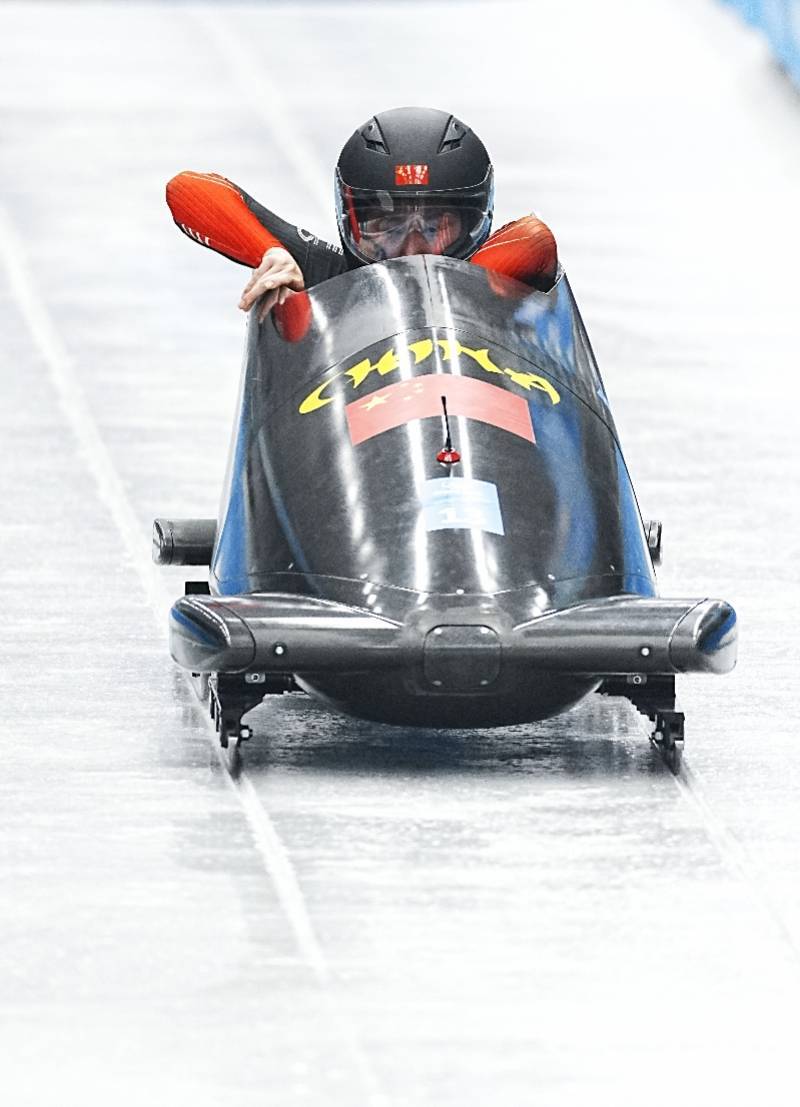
(379, 225)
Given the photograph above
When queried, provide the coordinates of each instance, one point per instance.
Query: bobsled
(427, 519)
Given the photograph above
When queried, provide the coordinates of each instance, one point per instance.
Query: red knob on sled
(447, 455)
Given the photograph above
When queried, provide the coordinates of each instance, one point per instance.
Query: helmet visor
(379, 225)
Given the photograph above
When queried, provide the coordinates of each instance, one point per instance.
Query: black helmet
(413, 180)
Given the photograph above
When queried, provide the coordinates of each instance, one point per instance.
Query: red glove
(524, 249)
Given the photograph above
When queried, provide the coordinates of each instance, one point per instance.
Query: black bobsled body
(499, 589)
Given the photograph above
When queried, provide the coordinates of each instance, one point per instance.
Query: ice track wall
(780, 21)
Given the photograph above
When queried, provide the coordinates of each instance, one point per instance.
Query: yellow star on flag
(373, 402)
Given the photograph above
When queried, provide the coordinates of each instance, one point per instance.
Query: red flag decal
(411, 175)
(421, 397)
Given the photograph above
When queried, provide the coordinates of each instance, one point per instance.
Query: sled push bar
(288, 633)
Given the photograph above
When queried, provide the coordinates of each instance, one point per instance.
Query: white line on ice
(736, 858)
(62, 373)
(280, 869)
(60, 368)
(263, 97)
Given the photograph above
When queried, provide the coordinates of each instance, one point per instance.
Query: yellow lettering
(532, 380)
(314, 399)
(359, 373)
(450, 349)
(421, 350)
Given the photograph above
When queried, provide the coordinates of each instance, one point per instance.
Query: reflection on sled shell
(500, 588)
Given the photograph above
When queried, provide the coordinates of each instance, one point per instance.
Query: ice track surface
(364, 915)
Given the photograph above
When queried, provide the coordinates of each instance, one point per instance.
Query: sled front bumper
(617, 635)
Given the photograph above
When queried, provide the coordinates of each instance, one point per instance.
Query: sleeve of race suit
(525, 249)
(218, 214)
(212, 211)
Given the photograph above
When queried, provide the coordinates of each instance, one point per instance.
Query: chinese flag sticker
(411, 175)
(421, 398)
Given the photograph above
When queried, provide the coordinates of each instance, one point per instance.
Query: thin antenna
(448, 442)
(447, 456)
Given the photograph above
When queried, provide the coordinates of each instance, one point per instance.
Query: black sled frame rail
(653, 696)
(231, 695)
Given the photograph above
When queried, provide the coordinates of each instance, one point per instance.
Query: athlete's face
(410, 231)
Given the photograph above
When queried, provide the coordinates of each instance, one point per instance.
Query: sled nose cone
(704, 641)
(461, 658)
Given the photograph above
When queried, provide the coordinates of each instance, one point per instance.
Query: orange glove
(524, 249)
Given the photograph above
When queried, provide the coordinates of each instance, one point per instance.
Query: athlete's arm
(212, 211)
(218, 214)
(525, 249)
